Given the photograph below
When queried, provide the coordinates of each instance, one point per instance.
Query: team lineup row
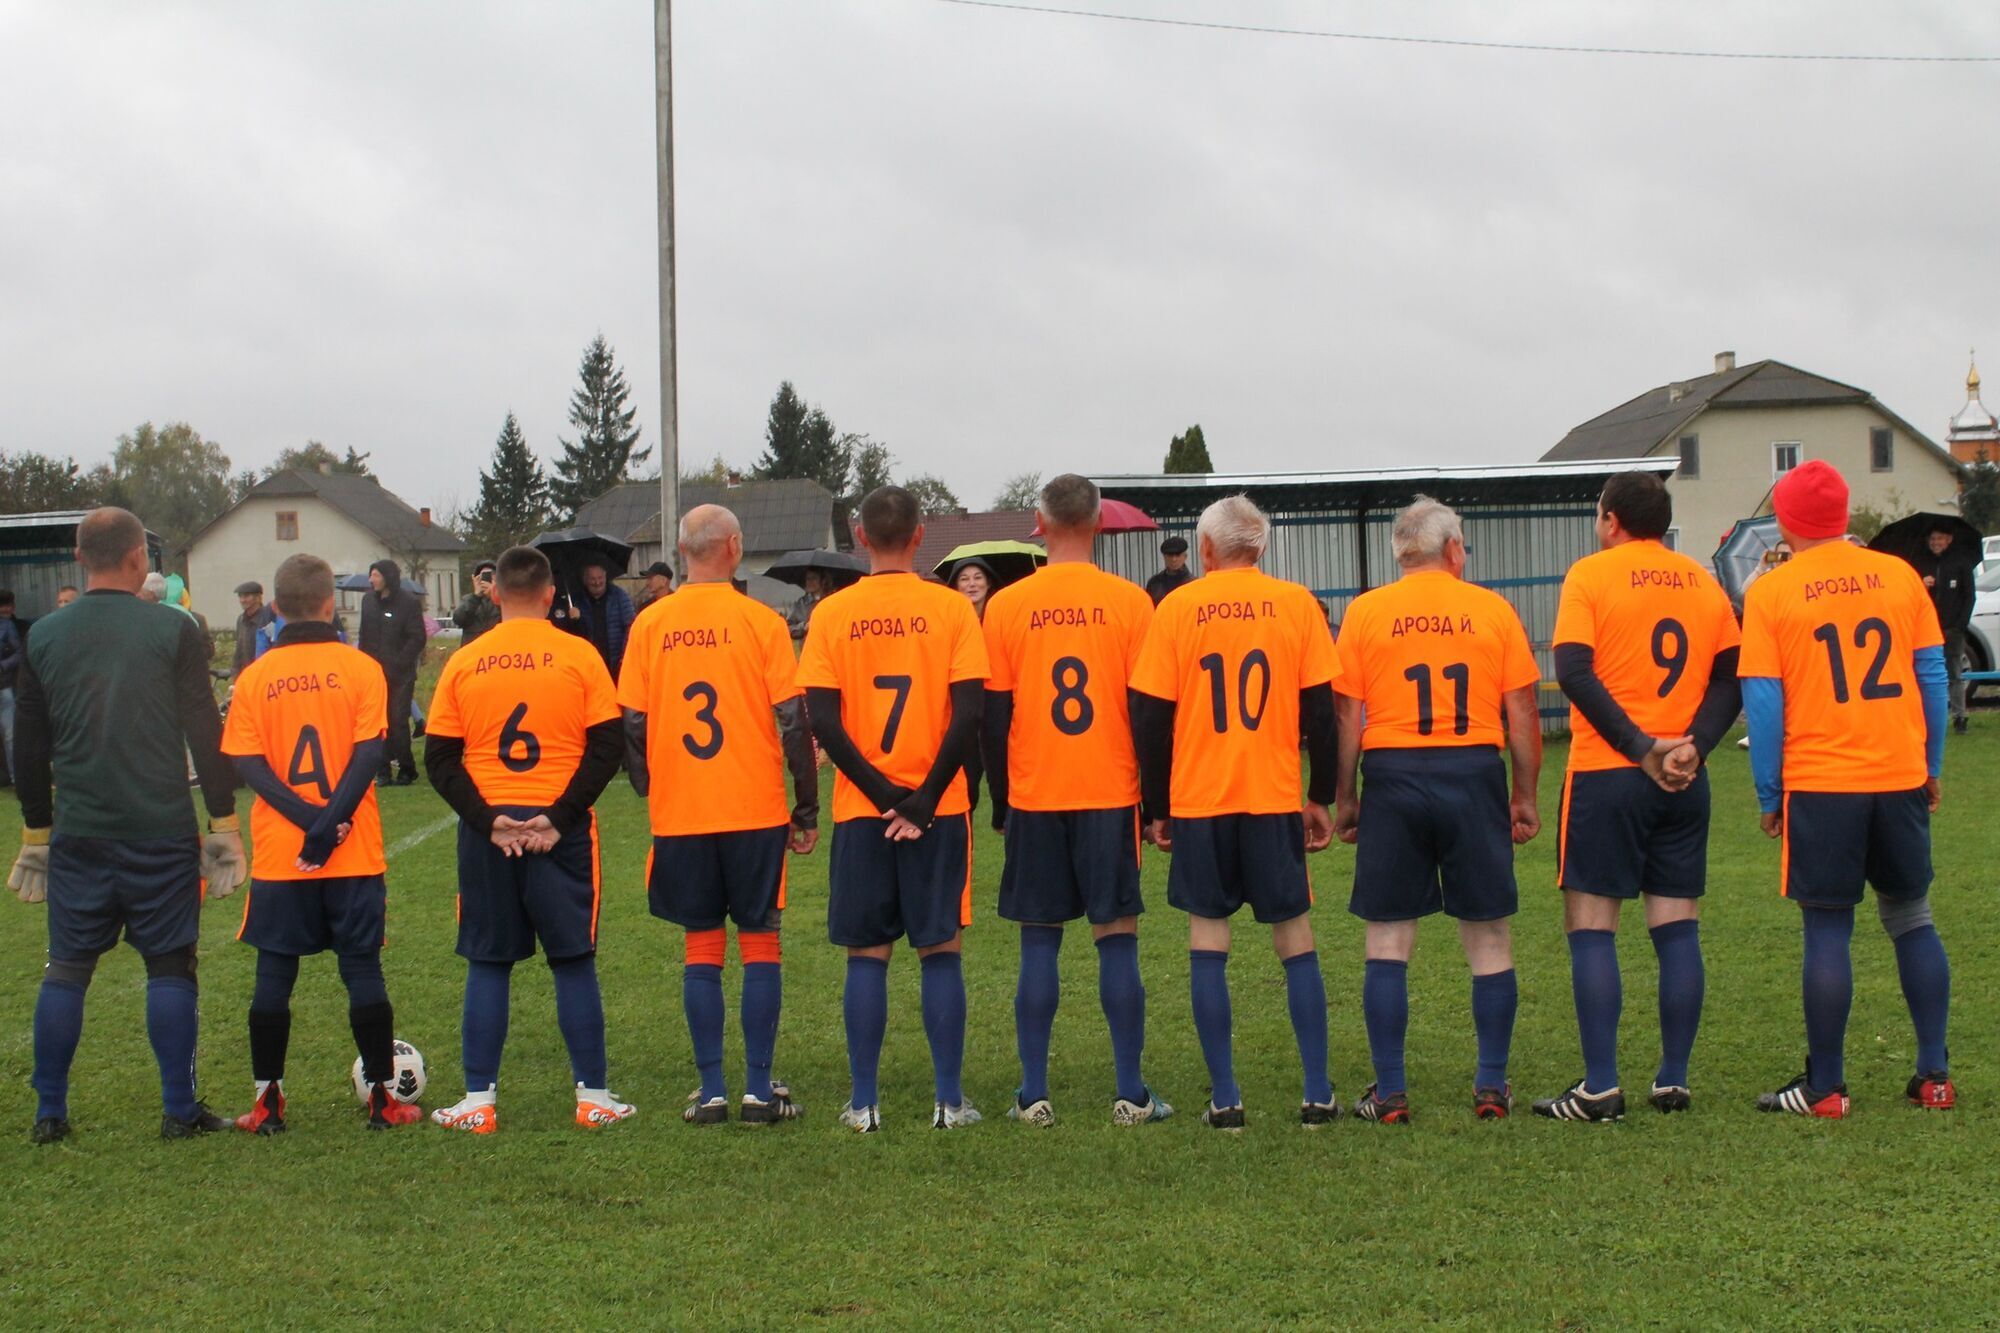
(1104, 722)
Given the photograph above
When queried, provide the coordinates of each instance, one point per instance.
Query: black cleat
(1575, 1104)
(49, 1129)
(1314, 1114)
(203, 1121)
(1223, 1117)
(779, 1108)
(1800, 1098)
(1493, 1103)
(1379, 1110)
(1669, 1099)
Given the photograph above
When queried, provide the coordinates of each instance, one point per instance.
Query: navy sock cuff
(1119, 943)
(1310, 958)
(1209, 955)
(702, 970)
(1674, 930)
(949, 962)
(1392, 964)
(1495, 981)
(866, 963)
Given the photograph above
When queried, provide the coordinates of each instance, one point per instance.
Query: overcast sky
(993, 240)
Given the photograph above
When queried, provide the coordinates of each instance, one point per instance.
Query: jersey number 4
(309, 763)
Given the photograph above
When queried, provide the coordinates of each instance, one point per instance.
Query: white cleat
(476, 1114)
(1135, 1113)
(959, 1116)
(1037, 1113)
(598, 1107)
(861, 1119)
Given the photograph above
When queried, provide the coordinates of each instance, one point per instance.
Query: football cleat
(384, 1111)
(1798, 1098)
(714, 1111)
(475, 1115)
(203, 1121)
(1037, 1113)
(598, 1107)
(1933, 1092)
(1223, 1117)
(1493, 1103)
(1601, 1108)
(861, 1119)
(49, 1129)
(267, 1115)
(779, 1107)
(1673, 1097)
(1314, 1114)
(957, 1117)
(1140, 1113)
(1379, 1110)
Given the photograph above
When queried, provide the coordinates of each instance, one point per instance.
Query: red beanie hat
(1811, 500)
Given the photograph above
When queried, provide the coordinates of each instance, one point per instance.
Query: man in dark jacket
(392, 632)
(605, 615)
(477, 611)
(1174, 571)
(1947, 570)
(256, 616)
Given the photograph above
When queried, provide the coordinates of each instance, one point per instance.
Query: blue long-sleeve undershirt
(1764, 706)
(1935, 682)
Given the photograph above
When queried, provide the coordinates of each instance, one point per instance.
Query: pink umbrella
(1115, 516)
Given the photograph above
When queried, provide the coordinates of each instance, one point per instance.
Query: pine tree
(513, 500)
(800, 441)
(1188, 453)
(1979, 494)
(602, 455)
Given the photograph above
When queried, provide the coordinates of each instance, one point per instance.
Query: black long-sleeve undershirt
(261, 778)
(823, 709)
(1321, 725)
(603, 752)
(1576, 672)
(996, 722)
(201, 721)
(362, 765)
(961, 734)
(1153, 737)
(444, 765)
(1720, 703)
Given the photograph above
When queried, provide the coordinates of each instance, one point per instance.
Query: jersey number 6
(513, 736)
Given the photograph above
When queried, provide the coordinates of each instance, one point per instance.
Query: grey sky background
(994, 241)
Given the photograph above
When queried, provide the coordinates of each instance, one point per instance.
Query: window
(1690, 456)
(288, 525)
(1784, 456)
(1672, 539)
(1881, 449)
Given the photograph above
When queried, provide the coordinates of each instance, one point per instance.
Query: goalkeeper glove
(29, 879)
(222, 864)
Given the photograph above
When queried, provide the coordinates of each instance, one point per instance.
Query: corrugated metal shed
(1526, 525)
(38, 556)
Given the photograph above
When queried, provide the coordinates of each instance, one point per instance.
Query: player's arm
(258, 775)
(444, 765)
(636, 772)
(1720, 703)
(1524, 748)
(1153, 738)
(1576, 672)
(1934, 681)
(32, 750)
(961, 733)
(996, 722)
(603, 752)
(823, 709)
(324, 835)
(202, 725)
(1764, 709)
(1347, 758)
(795, 736)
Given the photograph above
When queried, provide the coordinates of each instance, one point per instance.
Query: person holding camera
(477, 611)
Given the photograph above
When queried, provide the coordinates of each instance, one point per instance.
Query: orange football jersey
(1232, 650)
(1430, 656)
(1065, 640)
(521, 698)
(302, 708)
(706, 666)
(1839, 627)
(1654, 621)
(894, 645)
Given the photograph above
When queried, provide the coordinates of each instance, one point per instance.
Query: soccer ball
(407, 1085)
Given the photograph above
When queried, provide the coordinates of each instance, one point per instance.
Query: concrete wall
(245, 545)
(1736, 476)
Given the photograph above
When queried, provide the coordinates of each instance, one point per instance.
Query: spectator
(1947, 571)
(256, 615)
(477, 611)
(973, 578)
(13, 643)
(392, 632)
(1173, 552)
(65, 595)
(605, 615)
(818, 585)
(659, 582)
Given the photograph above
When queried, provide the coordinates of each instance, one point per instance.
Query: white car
(1982, 642)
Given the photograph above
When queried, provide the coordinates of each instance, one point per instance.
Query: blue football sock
(580, 1015)
(1682, 980)
(483, 1030)
(1305, 997)
(1385, 1012)
(943, 992)
(1495, 996)
(763, 997)
(58, 1028)
(1035, 999)
(1208, 984)
(1600, 997)
(1828, 983)
(865, 1008)
(173, 1015)
(1123, 997)
(1926, 975)
(701, 997)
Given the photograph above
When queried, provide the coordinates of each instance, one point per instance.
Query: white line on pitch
(404, 844)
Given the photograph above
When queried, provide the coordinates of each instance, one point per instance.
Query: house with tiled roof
(945, 532)
(1738, 429)
(791, 514)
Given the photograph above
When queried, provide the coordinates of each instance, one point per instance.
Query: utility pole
(663, 160)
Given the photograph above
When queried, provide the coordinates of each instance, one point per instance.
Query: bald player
(1062, 644)
(894, 671)
(1436, 676)
(111, 691)
(1236, 665)
(704, 673)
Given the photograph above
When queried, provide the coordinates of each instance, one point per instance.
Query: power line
(1543, 47)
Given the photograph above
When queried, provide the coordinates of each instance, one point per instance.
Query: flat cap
(250, 588)
(1174, 546)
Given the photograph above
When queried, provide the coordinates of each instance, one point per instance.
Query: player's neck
(1070, 548)
(1800, 545)
(892, 562)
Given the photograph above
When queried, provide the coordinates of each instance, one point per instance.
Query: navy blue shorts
(149, 889)
(507, 903)
(348, 914)
(1836, 840)
(1221, 862)
(1435, 835)
(1619, 835)
(1065, 864)
(698, 880)
(881, 891)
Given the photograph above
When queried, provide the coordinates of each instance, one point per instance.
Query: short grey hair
(1423, 531)
(156, 584)
(1236, 528)
(705, 529)
(1070, 502)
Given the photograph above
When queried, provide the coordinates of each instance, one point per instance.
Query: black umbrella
(839, 566)
(573, 550)
(1910, 538)
(359, 583)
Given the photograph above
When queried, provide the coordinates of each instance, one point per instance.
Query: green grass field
(1721, 1216)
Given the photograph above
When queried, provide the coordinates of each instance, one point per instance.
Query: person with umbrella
(605, 614)
(973, 579)
(392, 632)
(1946, 567)
(799, 618)
(1173, 552)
